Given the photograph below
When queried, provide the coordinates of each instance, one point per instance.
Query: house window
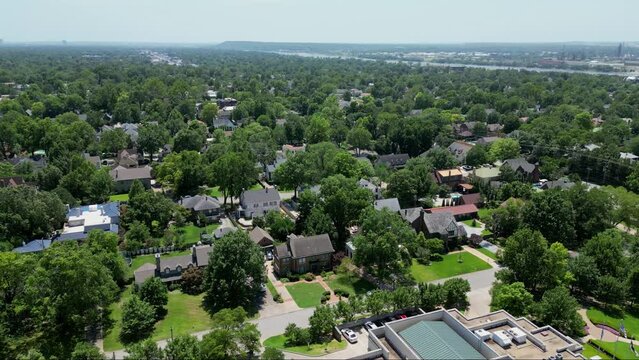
(266, 204)
(302, 261)
(167, 270)
(256, 205)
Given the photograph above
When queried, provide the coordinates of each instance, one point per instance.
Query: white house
(259, 202)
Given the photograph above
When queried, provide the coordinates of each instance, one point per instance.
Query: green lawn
(184, 314)
(306, 294)
(590, 351)
(214, 192)
(190, 234)
(271, 287)
(621, 350)
(447, 267)
(484, 213)
(613, 319)
(488, 253)
(470, 223)
(138, 261)
(119, 197)
(354, 284)
(278, 342)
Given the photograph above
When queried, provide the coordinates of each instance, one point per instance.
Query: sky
(332, 21)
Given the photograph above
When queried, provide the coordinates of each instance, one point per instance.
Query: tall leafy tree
(343, 202)
(231, 337)
(235, 273)
(233, 173)
(551, 213)
(152, 137)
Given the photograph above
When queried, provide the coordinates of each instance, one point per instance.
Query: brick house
(302, 254)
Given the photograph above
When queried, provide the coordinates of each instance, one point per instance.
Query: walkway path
(594, 332)
(482, 256)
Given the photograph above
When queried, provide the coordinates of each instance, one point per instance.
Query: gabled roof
(282, 251)
(144, 272)
(439, 223)
(520, 163)
(260, 196)
(33, 246)
(488, 139)
(202, 255)
(173, 262)
(261, 237)
(302, 246)
(411, 214)
(391, 204)
(199, 203)
(121, 173)
(393, 160)
(459, 149)
(10, 181)
(448, 173)
(562, 183)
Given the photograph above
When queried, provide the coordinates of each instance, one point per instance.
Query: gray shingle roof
(411, 214)
(310, 246)
(282, 251)
(199, 203)
(123, 174)
(260, 236)
(393, 160)
(219, 232)
(144, 272)
(173, 262)
(438, 223)
(202, 255)
(520, 163)
(391, 204)
(258, 196)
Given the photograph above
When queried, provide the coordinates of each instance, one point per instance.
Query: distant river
(474, 66)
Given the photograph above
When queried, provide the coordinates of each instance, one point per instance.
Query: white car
(350, 335)
(371, 325)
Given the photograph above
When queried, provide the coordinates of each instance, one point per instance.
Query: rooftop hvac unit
(518, 335)
(501, 337)
(482, 334)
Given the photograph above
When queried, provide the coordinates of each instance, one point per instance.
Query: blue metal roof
(436, 340)
(33, 246)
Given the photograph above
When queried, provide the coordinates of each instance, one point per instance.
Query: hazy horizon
(319, 21)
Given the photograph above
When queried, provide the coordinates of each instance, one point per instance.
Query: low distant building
(460, 149)
(221, 231)
(460, 212)
(527, 171)
(486, 174)
(391, 204)
(124, 177)
(33, 246)
(169, 269)
(487, 140)
(302, 254)
(449, 334)
(11, 181)
(376, 190)
(563, 184)
(474, 199)
(84, 219)
(128, 158)
(202, 205)
(393, 161)
(449, 177)
(261, 237)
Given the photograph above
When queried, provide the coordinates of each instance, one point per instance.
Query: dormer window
(178, 268)
(167, 270)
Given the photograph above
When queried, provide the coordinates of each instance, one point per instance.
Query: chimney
(157, 263)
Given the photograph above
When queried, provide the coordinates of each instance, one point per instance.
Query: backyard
(190, 234)
(184, 315)
(472, 223)
(306, 294)
(448, 267)
(613, 319)
(119, 197)
(279, 342)
(350, 282)
(484, 213)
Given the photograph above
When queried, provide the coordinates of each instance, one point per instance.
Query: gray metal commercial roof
(436, 340)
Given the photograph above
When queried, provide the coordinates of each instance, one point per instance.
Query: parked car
(370, 325)
(402, 316)
(269, 256)
(467, 167)
(350, 335)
